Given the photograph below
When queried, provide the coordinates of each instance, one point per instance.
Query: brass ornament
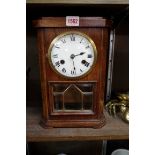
(119, 106)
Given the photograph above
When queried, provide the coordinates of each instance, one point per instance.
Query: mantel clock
(73, 59)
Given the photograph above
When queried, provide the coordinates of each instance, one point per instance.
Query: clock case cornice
(61, 22)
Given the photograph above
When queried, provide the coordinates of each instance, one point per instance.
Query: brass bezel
(67, 33)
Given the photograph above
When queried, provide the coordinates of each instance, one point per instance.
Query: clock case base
(85, 123)
(98, 29)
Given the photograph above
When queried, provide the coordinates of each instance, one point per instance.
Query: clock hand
(73, 56)
(74, 65)
(74, 69)
(80, 54)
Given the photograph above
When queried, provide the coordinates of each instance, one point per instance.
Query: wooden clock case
(98, 29)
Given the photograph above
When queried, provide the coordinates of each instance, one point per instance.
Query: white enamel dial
(72, 54)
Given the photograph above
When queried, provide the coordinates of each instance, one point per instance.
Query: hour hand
(73, 56)
(80, 54)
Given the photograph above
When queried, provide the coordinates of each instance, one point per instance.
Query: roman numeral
(56, 46)
(55, 56)
(81, 41)
(72, 37)
(64, 70)
(63, 40)
(89, 56)
(86, 64)
(57, 64)
(81, 70)
(87, 47)
(73, 72)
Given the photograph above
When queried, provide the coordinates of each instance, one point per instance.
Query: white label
(72, 20)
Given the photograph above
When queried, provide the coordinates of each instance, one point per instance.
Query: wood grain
(115, 129)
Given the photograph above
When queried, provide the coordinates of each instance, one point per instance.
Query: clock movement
(73, 70)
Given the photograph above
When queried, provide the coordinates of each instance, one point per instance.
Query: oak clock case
(73, 71)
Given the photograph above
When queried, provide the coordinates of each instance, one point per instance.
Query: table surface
(115, 129)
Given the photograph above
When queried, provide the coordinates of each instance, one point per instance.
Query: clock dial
(72, 54)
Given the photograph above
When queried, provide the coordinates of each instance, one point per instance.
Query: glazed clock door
(71, 97)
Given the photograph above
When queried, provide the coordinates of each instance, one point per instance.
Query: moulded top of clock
(83, 22)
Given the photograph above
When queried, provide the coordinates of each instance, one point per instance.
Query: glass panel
(73, 106)
(73, 98)
(87, 101)
(58, 102)
(85, 87)
(59, 87)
